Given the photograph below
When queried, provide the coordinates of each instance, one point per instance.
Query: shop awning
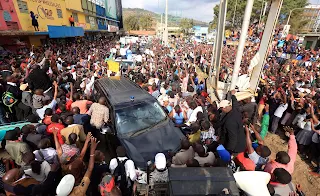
(64, 31)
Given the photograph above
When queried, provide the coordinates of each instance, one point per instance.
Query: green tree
(185, 25)
(131, 23)
(146, 22)
(296, 19)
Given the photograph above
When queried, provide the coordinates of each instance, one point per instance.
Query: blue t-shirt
(178, 118)
(169, 108)
(129, 54)
(280, 43)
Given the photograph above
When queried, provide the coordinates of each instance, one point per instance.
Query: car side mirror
(106, 129)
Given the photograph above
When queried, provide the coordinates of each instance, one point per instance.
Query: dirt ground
(301, 175)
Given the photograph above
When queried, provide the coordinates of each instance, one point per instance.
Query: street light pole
(261, 11)
(234, 12)
(289, 16)
(242, 43)
(165, 36)
(291, 13)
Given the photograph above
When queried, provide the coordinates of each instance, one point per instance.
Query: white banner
(285, 30)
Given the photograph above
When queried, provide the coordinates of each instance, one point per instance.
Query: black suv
(138, 122)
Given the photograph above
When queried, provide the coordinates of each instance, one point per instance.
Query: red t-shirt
(68, 104)
(58, 127)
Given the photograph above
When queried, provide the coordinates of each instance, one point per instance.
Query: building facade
(53, 17)
(311, 14)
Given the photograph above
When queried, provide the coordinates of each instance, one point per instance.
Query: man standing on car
(124, 171)
(233, 135)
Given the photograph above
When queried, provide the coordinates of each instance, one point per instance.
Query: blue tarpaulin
(64, 31)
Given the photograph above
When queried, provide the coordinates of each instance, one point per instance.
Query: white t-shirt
(41, 111)
(193, 116)
(123, 51)
(129, 167)
(45, 169)
(138, 58)
(280, 110)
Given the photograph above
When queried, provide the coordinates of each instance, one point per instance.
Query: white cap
(253, 182)
(160, 161)
(66, 185)
(224, 103)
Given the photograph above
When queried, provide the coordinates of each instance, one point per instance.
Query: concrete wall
(313, 39)
(8, 16)
(46, 12)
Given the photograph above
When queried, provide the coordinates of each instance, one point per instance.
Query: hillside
(173, 21)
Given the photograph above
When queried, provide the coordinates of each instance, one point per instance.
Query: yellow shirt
(193, 138)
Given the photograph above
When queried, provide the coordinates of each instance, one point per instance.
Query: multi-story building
(311, 14)
(90, 16)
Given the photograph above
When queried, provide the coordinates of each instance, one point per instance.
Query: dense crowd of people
(52, 87)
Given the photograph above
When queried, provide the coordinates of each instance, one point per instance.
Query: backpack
(120, 176)
(8, 100)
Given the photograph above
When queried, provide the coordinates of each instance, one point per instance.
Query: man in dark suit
(233, 135)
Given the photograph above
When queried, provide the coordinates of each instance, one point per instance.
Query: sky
(196, 9)
(314, 1)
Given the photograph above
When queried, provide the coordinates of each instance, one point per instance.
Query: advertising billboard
(111, 9)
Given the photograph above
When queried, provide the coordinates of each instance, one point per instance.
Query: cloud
(200, 10)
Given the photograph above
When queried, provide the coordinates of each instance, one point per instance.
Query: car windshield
(138, 117)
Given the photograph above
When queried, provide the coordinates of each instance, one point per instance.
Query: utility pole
(165, 34)
(161, 29)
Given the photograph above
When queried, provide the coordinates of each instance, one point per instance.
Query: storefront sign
(92, 21)
(112, 28)
(48, 3)
(79, 24)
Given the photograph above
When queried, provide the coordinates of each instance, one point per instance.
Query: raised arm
(248, 141)
(313, 128)
(235, 103)
(314, 118)
(71, 91)
(93, 147)
(85, 146)
(258, 136)
(55, 90)
(56, 143)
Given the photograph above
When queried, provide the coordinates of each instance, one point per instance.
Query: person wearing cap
(160, 174)
(233, 135)
(68, 182)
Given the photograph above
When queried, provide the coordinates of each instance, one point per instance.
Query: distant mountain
(173, 21)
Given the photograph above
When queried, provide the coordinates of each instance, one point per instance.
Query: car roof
(119, 89)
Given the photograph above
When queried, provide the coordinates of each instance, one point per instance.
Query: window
(59, 13)
(138, 117)
(87, 19)
(23, 7)
(12, 25)
(75, 17)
